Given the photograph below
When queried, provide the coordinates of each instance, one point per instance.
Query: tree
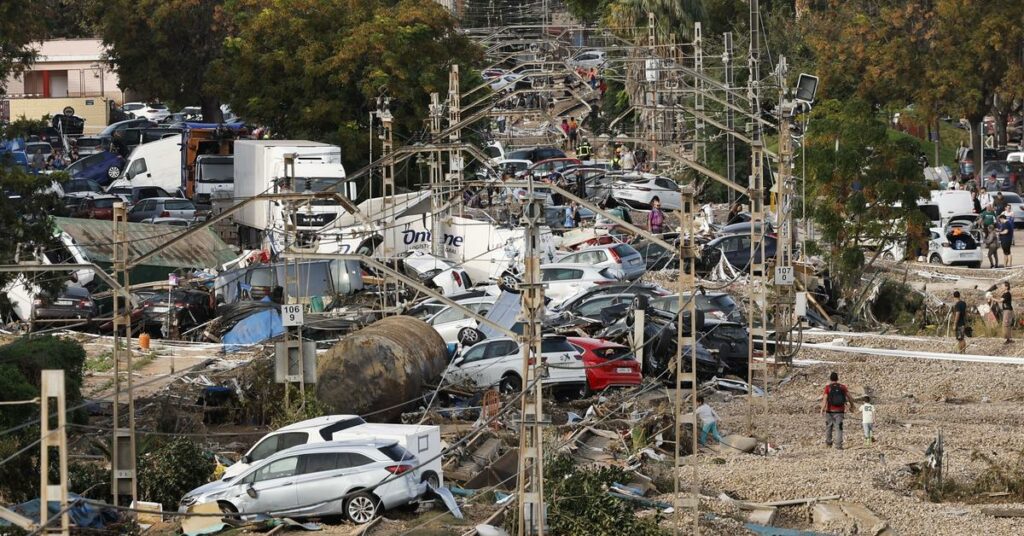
(862, 187)
(19, 27)
(314, 69)
(165, 48)
(670, 16)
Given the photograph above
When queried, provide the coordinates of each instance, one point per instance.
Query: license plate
(162, 309)
(623, 370)
(634, 262)
(64, 302)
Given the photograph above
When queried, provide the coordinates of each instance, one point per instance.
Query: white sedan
(562, 281)
(449, 321)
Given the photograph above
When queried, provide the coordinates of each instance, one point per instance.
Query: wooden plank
(795, 502)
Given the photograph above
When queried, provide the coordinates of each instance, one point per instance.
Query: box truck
(260, 169)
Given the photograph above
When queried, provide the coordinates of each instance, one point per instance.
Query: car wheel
(509, 283)
(511, 383)
(361, 508)
(469, 336)
(935, 259)
(227, 508)
(888, 256)
(113, 172)
(431, 478)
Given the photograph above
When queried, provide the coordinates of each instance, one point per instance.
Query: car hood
(212, 488)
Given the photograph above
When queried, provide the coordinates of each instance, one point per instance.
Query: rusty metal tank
(381, 366)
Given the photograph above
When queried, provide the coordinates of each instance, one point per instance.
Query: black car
(730, 340)
(717, 305)
(188, 309)
(736, 249)
(74, 305)
(535, 154)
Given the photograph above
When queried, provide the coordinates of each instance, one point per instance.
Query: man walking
(1006, 307)
(960, 322)
(833, 405)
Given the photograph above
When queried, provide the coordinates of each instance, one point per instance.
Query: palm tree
(670, 16)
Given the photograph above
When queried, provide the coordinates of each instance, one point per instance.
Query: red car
(100, 207)
(609, 364)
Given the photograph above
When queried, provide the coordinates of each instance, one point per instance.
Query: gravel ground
(976, 406)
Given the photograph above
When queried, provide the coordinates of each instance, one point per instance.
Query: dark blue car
(101, 167)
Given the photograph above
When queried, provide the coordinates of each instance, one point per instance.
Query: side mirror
(251, 491)
(458, 361)
(245, 459)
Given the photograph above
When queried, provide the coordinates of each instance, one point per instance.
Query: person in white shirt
(867, 412)
(709, 421)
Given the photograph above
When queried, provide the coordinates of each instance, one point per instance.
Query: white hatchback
(499, 362)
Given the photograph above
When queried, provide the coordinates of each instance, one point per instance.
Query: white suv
(499, 362)
(564, 280)
(422, 441)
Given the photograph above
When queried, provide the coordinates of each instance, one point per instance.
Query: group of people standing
(996, 218)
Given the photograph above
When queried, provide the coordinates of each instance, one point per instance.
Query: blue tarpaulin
(254, 329)
(83, 514)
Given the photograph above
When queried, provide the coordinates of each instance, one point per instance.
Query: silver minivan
(358, 479)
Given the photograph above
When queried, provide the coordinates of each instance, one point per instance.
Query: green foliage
(26, 218)
(173, 469)
(578, 502)
(329, 61)
(670, 16)
(165, 49)
(89, 479)
(862, 186)
(897, 304)
(20, 365)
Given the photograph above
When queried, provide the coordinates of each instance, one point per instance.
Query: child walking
(867, 412)
(709, 421)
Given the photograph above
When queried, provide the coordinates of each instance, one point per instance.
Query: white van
(952, 202)
(423, 441)
(1015, 157)
(157, 163)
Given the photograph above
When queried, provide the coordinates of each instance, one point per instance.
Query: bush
(578, 502)
(173, 469)
(897, 304)
(20, 365)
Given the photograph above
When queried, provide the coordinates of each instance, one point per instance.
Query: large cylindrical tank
(381, 366)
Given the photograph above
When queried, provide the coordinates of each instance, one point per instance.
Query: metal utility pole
(291, 280)
(651, 97)
(730, 117)
(758, 278)
(437, 190)
(785, 293)
(388, 169)
(699, 148)
(532, 512)
(687, 282)
(122, 445)
(52, 386)
(455, 165)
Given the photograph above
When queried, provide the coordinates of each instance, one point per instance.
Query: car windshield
(184, 204)
(89, 142)
(997, 167)
(217, 170)
(38, 148)
(396, 453)
(130, 107)
(1011, 198)
(105, 202)
(612, 352)
(316, 184)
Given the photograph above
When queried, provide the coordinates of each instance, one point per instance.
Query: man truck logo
(314, 220)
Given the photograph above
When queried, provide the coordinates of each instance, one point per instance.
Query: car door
(318, 482)
(140, 211)
(465, 370)
(274, 484)
(500, 355)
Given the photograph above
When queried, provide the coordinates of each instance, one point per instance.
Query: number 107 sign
(291, 315)
(784, 275)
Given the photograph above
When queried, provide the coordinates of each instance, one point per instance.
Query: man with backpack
(833, 405)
